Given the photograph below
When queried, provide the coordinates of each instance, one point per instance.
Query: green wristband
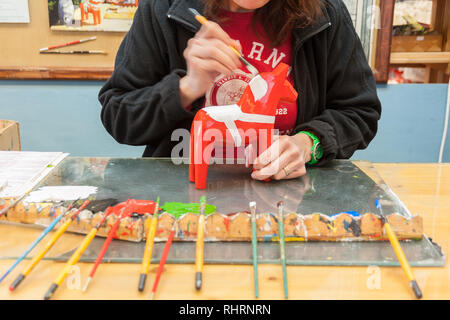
(316, 150)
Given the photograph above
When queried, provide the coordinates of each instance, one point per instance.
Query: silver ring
(285, 171)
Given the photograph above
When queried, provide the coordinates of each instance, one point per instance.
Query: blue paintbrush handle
(31, 247)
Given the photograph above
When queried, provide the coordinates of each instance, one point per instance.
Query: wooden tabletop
(424, 189)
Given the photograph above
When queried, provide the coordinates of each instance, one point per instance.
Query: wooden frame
(55, 73)
(384, 40)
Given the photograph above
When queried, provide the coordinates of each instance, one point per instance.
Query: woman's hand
(284, 159)
(207, 55)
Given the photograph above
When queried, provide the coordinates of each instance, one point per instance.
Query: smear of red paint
(226, 222)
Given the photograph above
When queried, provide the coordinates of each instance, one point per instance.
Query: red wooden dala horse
(254, 113)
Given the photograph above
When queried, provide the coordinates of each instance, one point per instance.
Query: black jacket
(337, 92)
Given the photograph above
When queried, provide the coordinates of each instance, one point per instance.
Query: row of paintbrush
(125, 209)
(121, 210)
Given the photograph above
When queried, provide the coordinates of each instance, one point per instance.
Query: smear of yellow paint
(276, 238)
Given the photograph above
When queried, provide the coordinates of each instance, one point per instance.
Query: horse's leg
(82, 12)
(201, 169)
(192, 157)
(202, 159)
(97, 18)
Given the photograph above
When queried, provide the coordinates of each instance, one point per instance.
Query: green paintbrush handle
(255, 257)
(283, 254)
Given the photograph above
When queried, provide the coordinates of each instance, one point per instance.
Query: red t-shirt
(258, 51)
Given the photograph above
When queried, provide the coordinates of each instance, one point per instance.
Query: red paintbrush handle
(81, 208)
(63, 45)
(105, 215)
(108, 240)
(163, 259)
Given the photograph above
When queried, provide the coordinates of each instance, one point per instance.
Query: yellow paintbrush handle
(201, 19)
(76, 256)
(399, 252)
(200, 244)
(38, 257)
(149, 245)
(235, 51)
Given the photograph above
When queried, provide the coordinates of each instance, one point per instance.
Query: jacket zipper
(188, 25)
(300, 43)
(297, 48)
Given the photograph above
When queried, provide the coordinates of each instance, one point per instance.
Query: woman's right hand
(207, 55)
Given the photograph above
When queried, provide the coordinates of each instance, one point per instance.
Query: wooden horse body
(254, 113)
(91, 6)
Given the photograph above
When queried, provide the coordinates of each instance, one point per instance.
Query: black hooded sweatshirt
(337, 93)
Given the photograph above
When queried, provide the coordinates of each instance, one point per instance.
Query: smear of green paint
(177, 209)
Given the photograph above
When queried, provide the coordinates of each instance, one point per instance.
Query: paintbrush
(67, 44)
(38, 257)
(105, 246)
(399, 252)
(75, 52)
(282, 246)
(77, 254)
(145, 266)
(163, 260)
(199, 248)
(247, 64)
(254, 247)
(13, 204)
(34, 244)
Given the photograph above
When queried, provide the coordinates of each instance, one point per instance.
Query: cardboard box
(9, 135)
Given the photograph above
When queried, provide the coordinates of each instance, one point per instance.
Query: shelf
(420, 57)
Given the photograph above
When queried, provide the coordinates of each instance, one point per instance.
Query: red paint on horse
(278, 88)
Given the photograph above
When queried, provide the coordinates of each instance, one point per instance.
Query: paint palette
(343, 186)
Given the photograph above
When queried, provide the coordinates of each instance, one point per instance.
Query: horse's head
(265, 91)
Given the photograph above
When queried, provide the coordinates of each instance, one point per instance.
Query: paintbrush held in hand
(247, 64)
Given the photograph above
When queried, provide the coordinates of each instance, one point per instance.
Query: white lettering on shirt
(257, 49)
(273, 57)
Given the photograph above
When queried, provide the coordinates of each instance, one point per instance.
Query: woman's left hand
(284, 159)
